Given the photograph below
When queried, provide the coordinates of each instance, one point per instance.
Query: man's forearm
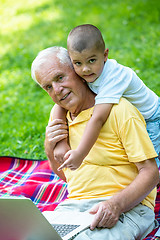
(142, 185)
(107, 212)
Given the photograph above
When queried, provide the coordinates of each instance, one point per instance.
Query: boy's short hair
(85, 36)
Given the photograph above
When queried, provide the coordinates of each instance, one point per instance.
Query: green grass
(131, 30)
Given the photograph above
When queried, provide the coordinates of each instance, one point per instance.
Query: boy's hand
(72, 160)
(60, 150)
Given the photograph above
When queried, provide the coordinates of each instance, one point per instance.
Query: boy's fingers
(67, 164)
(66, 156)
(63, 166)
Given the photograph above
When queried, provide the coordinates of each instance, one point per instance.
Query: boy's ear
(106, 51)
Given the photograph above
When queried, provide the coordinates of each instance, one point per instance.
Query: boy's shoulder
(111, 66)
(110, 63)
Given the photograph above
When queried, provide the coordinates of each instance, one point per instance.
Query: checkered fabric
(34, 179)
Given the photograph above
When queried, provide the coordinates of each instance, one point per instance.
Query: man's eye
(48, 87)
(92, 60)
(59, 78)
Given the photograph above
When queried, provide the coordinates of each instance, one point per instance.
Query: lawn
(131, 30)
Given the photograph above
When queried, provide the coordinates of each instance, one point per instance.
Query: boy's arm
(74, 158)
(58, 113)
(61, 147)
(93, 127)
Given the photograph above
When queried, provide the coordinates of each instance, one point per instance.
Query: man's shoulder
(123, 103)
(125, 110)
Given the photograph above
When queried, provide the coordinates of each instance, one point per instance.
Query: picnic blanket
(34, 179)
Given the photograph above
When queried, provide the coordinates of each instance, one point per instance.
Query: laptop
(20, 219)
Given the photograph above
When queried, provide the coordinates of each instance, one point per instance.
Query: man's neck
(88, 102)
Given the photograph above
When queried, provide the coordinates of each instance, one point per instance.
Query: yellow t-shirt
(109, 167)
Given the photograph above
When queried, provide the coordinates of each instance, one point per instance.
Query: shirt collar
(82, 116)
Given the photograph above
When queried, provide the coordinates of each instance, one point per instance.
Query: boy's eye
(77, 63)
(92, 60)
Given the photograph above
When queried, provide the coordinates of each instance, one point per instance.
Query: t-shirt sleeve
(134, 130)
(113, 87)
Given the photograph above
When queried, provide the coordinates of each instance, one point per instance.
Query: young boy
(110, 81)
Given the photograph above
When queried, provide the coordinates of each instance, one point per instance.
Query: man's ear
(106, 51)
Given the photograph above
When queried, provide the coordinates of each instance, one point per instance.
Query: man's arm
(56, 131)
(108, 212)
(146, 180)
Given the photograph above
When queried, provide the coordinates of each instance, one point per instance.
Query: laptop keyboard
(64, 229)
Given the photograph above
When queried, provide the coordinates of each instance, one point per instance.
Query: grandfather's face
(62, 83)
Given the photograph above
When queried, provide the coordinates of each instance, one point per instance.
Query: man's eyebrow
(45, 85)
(53, 79)
(57, 76)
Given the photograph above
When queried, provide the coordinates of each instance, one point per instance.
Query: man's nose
(56, 87)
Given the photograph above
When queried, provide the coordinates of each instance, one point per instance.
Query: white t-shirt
(116, 81)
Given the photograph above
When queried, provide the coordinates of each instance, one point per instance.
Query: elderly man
(117, 179)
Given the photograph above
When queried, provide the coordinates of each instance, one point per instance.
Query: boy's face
(89, 63)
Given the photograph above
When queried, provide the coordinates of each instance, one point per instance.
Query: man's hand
(60, 150)
(73, 160)
(56, 131)
(106, 214)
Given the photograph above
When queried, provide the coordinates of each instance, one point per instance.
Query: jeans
(153, 129)
(134, 224)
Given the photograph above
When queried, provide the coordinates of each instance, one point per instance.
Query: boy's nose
(86, 69)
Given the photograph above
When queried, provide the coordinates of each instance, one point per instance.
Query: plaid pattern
(34, 179)
(157, 214)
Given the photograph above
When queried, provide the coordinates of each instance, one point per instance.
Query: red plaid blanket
(34, 179)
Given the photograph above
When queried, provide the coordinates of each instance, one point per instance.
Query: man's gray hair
(43, 56)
